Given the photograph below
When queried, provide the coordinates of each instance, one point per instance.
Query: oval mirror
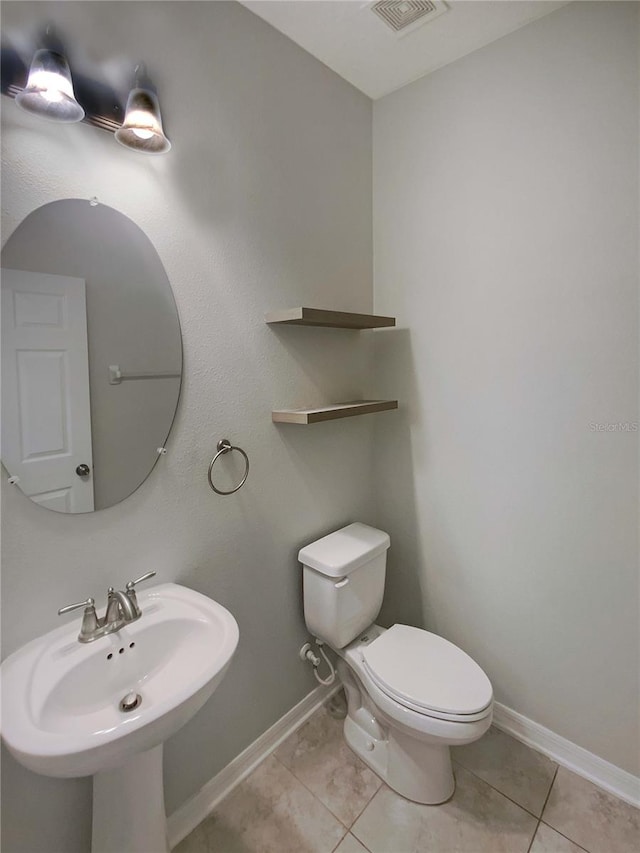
(91, 356)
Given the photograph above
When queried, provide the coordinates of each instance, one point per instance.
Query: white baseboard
(190, 814)
(624, 785)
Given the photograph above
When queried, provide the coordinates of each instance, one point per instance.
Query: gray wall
(131, 322)
(506, 239)
(263, 203)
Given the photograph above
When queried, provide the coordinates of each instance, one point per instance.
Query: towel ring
(225, 446)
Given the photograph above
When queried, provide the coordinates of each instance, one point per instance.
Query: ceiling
(348, 37)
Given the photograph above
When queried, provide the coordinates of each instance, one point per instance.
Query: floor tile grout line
(356, 838)
(316, 797)
(359, 840)
(348, 826)
(548, 824)
(544, 805)
(546, 799)
(506, 796)
(369, 801)
(533, 837)
(579, 846)
(340, 842)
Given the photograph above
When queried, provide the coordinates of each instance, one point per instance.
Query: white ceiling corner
(355, 43)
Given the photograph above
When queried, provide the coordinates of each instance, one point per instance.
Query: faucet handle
(146, 577)
(88, 604)
(90, 622)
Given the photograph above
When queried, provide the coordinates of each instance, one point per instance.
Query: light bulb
(142, 126)
(49, 90)
(54, 96)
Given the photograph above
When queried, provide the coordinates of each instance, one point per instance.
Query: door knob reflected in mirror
(83, 470)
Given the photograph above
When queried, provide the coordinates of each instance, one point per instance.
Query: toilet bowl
(411, 694)
(397, 731)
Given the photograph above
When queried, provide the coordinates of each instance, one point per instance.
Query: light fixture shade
(142, 126)
(49, 92)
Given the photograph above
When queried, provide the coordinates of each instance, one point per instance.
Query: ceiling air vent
(404, 16)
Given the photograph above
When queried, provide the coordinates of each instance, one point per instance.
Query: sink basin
(61, 699)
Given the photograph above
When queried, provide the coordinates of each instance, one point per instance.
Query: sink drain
(130, 702)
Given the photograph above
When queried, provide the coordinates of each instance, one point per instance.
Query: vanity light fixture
(142, 126)
(49, 92)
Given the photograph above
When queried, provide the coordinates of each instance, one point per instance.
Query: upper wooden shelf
(331, 413)
(328, 319)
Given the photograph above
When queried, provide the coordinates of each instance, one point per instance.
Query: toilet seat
(427, 674)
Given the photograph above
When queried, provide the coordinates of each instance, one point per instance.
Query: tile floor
(313, 795)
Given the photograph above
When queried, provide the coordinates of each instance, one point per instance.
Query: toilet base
(372, 751)
(420, 771)
(416, 770)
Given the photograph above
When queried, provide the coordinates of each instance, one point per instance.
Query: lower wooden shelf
(331, 413)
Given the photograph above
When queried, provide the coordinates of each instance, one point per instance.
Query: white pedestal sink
(61, 712)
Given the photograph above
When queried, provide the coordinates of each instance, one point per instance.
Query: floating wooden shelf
(329, 319)
(331, 413)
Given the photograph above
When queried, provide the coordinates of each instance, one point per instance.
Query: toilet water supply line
(307, 653)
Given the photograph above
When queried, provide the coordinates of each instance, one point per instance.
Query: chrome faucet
(122, 608)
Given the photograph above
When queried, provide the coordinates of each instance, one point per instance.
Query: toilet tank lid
(344, 550)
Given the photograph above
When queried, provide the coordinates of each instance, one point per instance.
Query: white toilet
(411, 694)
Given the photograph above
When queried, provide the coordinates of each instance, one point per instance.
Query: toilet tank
(343, 582)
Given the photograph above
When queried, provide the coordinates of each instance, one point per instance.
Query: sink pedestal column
(128, 807)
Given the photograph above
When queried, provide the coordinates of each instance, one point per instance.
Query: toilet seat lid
(412, 665)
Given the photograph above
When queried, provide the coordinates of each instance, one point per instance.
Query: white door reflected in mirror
(45, 388)
(83, 290)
